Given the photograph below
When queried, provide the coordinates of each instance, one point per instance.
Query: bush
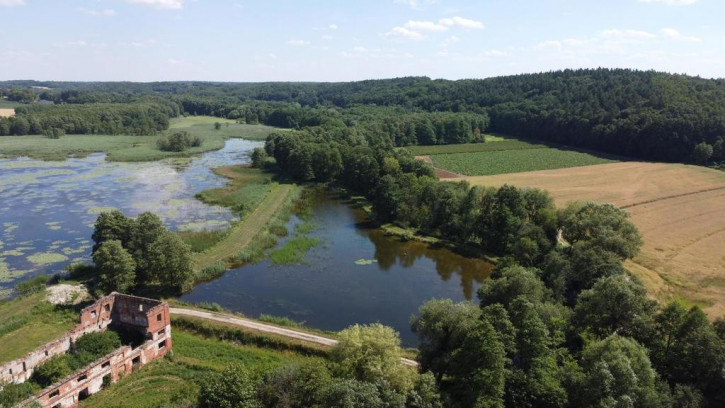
(178, 142)
(12, 394)
(33, 285)
(51, 371)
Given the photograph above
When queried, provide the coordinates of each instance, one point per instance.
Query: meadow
(132, 148)
(29, 322)
(678, 209)
(483, 163)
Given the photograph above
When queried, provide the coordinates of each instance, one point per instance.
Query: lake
(47, 208)
(356, 275)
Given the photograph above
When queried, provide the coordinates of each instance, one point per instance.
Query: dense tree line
(111, 119)
(643, 114)
(139, 255)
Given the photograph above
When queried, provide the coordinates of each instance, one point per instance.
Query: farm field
(679, 209)
(4, 113)
(132, 148)
(521, 159)
(490, 146)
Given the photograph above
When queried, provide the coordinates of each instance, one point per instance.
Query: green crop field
(132, 148)
(507, 144)
(485, 163)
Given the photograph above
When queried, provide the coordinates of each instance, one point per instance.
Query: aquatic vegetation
(12, 252)
(98, 210)
(45, 258)
(293, 251)
(366, 261)
(55, 225)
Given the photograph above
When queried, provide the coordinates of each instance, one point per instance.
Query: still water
(47, 209)
(356, 275)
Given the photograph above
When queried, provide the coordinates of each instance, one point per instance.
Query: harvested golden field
(679, 209)
(5, 113)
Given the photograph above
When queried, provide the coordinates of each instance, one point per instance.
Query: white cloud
(413, 30)
(671, 2)
(139, 43)
(298, 43)
(159, 4)
(327, 37)
(496, 53)
(425, 26)
(77, 43)
(416, 4)
(97, 13)
(332, 27)
(404, 33)
(549, 44)
(359, 49)
(173, 61)
(627, 34)
(461, 22)
(11, 3)
(675, 35)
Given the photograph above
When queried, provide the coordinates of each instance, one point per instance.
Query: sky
(344, 40)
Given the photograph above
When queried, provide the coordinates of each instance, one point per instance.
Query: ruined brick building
(147, 317)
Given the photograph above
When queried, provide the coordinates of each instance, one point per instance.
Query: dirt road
(266, 328)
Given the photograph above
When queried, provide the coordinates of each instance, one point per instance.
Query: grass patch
(28, 322)
(503, 144)
(200, 241)
(132, 148)
(293, 251)
(244, 191)
(279, 320)
(486, 163)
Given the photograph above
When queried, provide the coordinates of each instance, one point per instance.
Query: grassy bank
(174, 381)
(28, 322)
(264, 206)
(132, 148)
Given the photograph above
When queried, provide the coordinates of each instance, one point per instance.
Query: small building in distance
(148, 319)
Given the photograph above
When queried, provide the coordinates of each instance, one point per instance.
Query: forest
(111, 119)
(558, 325)
(640, 114)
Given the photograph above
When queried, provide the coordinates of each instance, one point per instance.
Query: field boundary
(669, 197)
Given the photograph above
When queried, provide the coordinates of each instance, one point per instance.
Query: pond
(47, 209)
(356, 275)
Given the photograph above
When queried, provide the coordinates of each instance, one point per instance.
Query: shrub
(178, 142)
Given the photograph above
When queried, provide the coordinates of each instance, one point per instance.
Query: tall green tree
(442, 328)
(370, 353)
(116, 267)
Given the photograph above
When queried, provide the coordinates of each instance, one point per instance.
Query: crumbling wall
(147, 316)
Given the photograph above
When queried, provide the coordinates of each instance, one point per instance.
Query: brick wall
(148, 316)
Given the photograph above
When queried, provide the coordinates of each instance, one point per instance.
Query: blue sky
(339, 40)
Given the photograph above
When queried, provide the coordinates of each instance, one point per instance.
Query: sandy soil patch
(679, 209)
(63, 294)
(5, 113)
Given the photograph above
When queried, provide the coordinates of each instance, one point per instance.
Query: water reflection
(357, 275)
